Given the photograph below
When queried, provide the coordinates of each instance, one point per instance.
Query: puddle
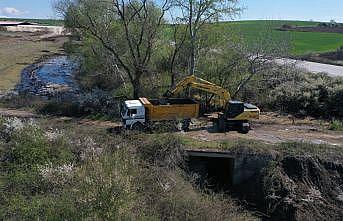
(49, 78)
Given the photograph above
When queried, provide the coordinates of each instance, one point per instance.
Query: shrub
(316, 95)
(69, 109)
(336, 125)
(26, 150)
(96, 102)
(49, 175)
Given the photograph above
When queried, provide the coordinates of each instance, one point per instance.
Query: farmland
(302, 42)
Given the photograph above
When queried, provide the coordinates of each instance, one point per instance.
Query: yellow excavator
(233, 115)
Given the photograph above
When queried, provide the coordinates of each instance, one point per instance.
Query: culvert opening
(211, 171)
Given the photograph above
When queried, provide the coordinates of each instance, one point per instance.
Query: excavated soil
(296, 188)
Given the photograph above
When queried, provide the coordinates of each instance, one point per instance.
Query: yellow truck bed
(171, 109)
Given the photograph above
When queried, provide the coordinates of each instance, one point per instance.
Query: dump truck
(142, 113)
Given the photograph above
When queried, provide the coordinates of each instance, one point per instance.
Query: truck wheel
(244, 129)
(185, 125)
(138, 127)
(220, 124)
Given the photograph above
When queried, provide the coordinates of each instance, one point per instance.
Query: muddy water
(50, 77)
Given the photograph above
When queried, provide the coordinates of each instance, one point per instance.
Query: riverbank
(49, 77)
(18, 50)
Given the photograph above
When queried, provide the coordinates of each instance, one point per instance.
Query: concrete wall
(232, 168)
(246, 166)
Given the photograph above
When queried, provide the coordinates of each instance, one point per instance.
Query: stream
(49, 78)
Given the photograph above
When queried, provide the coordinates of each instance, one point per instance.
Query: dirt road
(332, 70)
(273, 128)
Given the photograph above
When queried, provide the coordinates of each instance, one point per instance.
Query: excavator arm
(201, 84)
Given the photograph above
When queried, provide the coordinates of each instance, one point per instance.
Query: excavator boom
(201, 84)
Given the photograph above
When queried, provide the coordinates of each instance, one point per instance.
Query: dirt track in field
(270, 128)
(274, 128)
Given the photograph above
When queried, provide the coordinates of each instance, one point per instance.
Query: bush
(57, 108)
(27, 147)
(336, 125)
(316, 95)
(96, 102)
(51, 175)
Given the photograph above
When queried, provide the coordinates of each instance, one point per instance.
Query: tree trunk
(192, 62)
(172, 80)
(136, 84)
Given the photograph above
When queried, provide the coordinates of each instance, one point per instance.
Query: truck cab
(132, 113)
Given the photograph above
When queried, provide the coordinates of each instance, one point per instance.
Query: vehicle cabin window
(132, 112)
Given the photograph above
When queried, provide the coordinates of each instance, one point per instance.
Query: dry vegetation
(80, 173)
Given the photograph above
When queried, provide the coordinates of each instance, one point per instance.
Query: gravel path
(332, 70)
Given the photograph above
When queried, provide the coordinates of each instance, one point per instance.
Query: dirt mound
(304, 188)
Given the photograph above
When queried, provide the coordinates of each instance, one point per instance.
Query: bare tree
(260, 55)
(196, 13)
(127, 29)
(178, 41)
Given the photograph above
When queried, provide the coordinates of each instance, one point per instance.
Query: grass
(336, 125)
(53, 171)
(17, 52)
(302, 42)
(324, 151)
(307, 42)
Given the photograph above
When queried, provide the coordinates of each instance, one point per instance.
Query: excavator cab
(235, 108)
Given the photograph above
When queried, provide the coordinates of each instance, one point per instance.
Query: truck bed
(170, 109)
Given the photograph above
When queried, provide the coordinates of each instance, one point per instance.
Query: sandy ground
(274, 128)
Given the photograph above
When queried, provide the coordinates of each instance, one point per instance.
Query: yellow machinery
(234, 115)
(201, 84)
(174, 109)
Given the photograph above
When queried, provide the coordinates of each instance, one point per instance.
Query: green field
(302, 42)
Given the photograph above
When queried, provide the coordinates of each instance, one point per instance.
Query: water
(51, 77)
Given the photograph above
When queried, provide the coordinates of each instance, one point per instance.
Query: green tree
(128, 30)
(195, 14)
